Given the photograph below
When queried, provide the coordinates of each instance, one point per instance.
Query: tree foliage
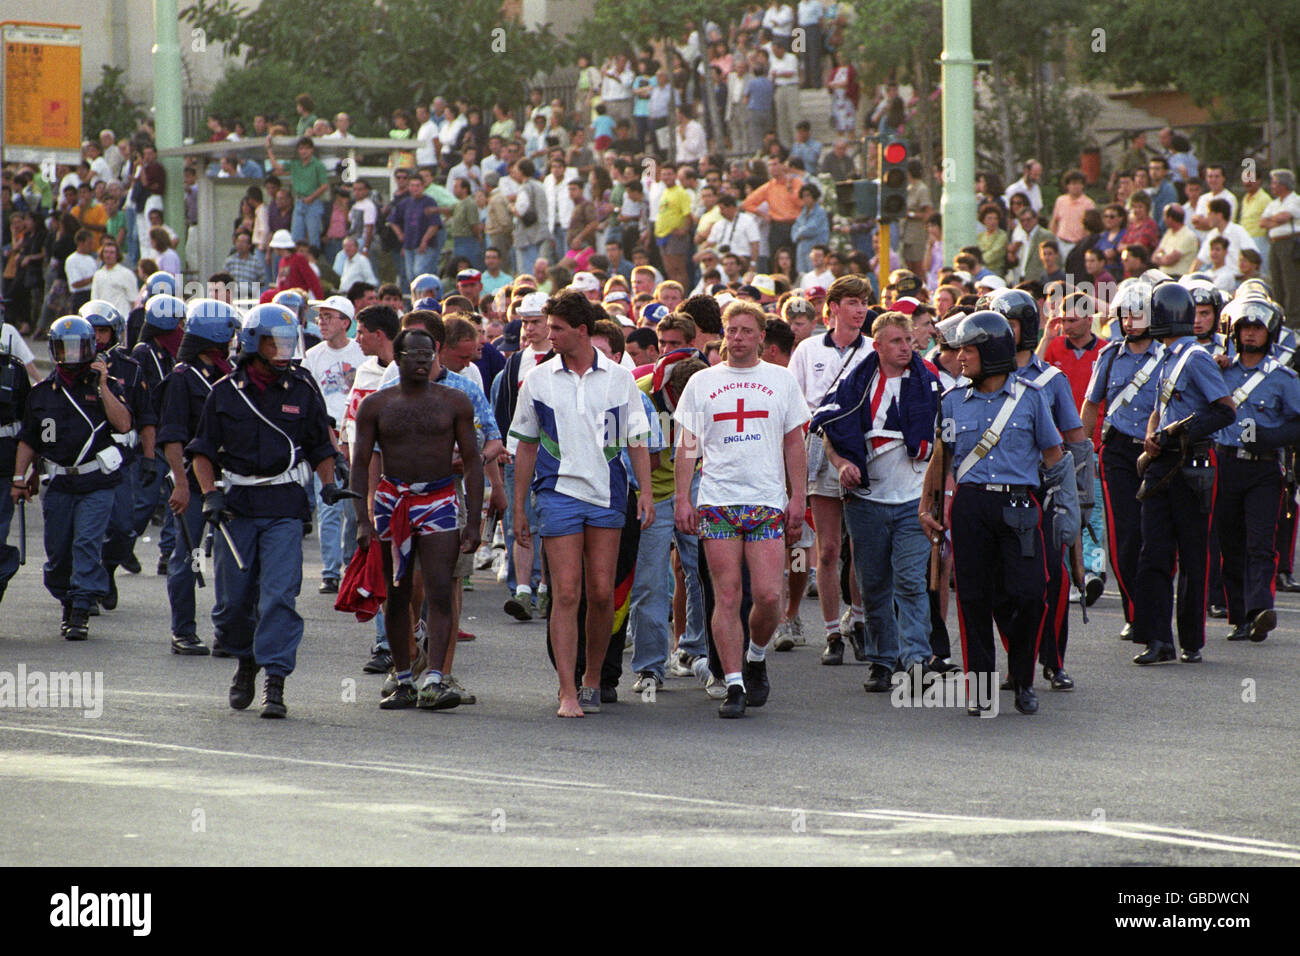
(385, 53)
(270, 86)
(619, 25)
(108, 106)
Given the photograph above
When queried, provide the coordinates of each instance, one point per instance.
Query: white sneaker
(812, 583)
(715, 688)
(483, 559)
(645, 682)
(499, 563)
(679, 665)
(796, 632)
(499, 537)
(783, 640)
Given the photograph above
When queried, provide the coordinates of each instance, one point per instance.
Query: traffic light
(893, 180)
(856, 198)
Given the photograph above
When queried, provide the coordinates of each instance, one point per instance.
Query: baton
(22, 531)
(192, 551)
(230, 543)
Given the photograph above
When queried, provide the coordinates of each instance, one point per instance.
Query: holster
(1199, 473)
(1023, 520)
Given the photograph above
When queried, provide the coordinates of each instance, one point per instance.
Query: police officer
(296, 301)
(139, 466)
(993, 435)
(158, 283)
(266, 428)
(202, 355)
(155, 353)
(1192, 403)
(1122, 391)
(70, 421)
(1249, 494)
(1020, 310)
(427, 286)
(14, 391)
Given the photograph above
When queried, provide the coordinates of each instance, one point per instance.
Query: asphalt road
(1173, 765)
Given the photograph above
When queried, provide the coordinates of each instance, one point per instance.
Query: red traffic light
(895, 153)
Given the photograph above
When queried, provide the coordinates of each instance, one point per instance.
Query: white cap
(625, 321)
(991, 282)
(340, 303)
(282, 240)
(724, 299)
(534, 303)
(585, 282)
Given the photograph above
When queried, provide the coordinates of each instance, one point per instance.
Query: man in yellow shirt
(673, 226)
(1250, 208)
(91, 214)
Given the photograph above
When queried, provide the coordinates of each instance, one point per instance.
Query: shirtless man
(416, 426)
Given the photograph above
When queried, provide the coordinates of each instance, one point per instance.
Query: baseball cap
(764, 284)
(618, 295)
(815, 292)
(282, 240)
(725, 299)
(907, 305)
(534, 303)
(625, 321)
(510, 336)
(585, 282)
(468, 275)
(904, 281)
(748, 291)
(991, 283)
(341, 304)
(654, 312)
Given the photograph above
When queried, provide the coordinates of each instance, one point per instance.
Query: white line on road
(1121, 830)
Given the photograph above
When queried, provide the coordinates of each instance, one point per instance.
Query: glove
(1062, 500)
(332, 494)
(214, 507)
(148, 472)
(342, 473)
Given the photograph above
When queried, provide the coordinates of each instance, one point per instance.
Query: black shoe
(1241, 632)
(328, 586)
(273, 697)
(1264, 622)
(976, 709)
(879, 680)
(219, 651)
(94, 610)
(734, 705)
(1093, 586)
(834, 653)
(244, 687)
(939, 666)
(162, 565)
(1059, 679)
(1217, 611)
(76, 626)
(1287, 583)
(608, 694)
(1026, 700)
(380, 661)
(1127, 633)
(757, 687)
(403, 697)
(1155, 654)
(109, 600)
(1190, 657)
(1006, 684)
(858, 638)
(189, 645)
(131, 564)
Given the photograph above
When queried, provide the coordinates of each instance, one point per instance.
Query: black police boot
(1026, 700)
(1287, 583)
(1241, 632)
(189, 645)
(162, 565)
(67, 612)
(273, 697)
(131, 564)
(244, 686)
(109, 600)
(1058, 678)
(1264, 622)
(77, 626)
(1217, 611)
(1127, 633)
(757, 686)
(1155, 654)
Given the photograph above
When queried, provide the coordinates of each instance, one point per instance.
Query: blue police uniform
(1176, 520)
(278, 446)
(183, 393)
(139, 400)
(1127, 412)
(1284, 350)
(66, 424)
(156, 363)
(999, 571)
(14, 391)
(1056, 625)
(1249, 494)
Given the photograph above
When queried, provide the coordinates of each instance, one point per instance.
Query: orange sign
(42, 92)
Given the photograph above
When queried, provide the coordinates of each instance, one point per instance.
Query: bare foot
(569, 708)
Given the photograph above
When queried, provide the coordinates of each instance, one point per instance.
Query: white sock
(432, 677)
(832, 626)
(524, 591)
(542, 588)
(856, 615)
(735, 680)
(756, 653)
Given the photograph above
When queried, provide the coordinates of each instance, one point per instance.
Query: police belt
(127, 439)
(10, 430)
(1005, 489)
(299, 474)
(1240, 453)
(1117, 437)
(89, 467)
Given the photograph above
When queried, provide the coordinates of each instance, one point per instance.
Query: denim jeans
(650, 616)
(306, 223)
(415, 262)
(255, 613)
(890, 551)
(330, 519)
(470, 248)
(74, 535)
(526, 257)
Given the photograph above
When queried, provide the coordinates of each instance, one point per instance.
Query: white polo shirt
(817, 364)
(580, 423)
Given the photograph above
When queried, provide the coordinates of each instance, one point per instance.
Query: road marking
(1123, 830)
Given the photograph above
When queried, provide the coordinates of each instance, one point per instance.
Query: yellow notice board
(42, 92)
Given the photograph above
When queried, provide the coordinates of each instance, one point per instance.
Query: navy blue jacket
(845, 417)
(183, 394)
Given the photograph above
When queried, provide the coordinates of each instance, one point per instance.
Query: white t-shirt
(472, 373)
(335, 371)
(817, 364)
(1203, 204)
(736, 234)
(740, 417)
(811, 279)
(116, 285)
(77, 267)
(12, 342)
(424, 152)
(1224, 277)
(1291, 227)
(367, 379)
(894, 477)
(1238, 239)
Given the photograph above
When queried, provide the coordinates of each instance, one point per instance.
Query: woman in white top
(114, 282)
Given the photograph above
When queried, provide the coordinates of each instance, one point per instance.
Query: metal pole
(167, 113)
(883, 255)
(958, 203)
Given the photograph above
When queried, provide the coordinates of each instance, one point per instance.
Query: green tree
(269, 87)
(385, 53)
(108, 106)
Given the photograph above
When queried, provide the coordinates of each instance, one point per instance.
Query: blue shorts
(560, 514)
